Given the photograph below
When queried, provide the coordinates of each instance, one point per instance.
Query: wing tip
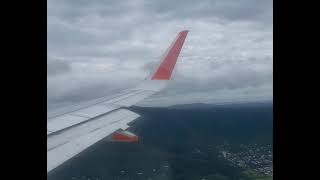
(184, 31)
(166, 67)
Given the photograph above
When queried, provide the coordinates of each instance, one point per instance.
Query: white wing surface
(71, 132)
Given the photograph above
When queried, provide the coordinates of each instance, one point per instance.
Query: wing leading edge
(70, 133)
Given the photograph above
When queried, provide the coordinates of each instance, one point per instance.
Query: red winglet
(165, 69)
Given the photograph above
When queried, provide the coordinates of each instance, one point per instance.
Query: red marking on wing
(120, 137)
(165, 69)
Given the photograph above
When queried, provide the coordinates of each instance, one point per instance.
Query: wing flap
(73, 118)
(63, 146)
(63, 121)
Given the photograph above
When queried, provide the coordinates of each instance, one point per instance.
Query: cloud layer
(96, 46)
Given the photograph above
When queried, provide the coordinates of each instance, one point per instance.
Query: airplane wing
(71, 132)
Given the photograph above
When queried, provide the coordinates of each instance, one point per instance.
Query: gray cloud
(97, 46)
(57, 67)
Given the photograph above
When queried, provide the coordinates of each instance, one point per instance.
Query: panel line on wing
(99, 102)
(113, 101)
(80, 116)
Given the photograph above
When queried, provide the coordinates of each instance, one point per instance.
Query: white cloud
(101, 46)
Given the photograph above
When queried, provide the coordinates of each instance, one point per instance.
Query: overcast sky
(97, 46)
